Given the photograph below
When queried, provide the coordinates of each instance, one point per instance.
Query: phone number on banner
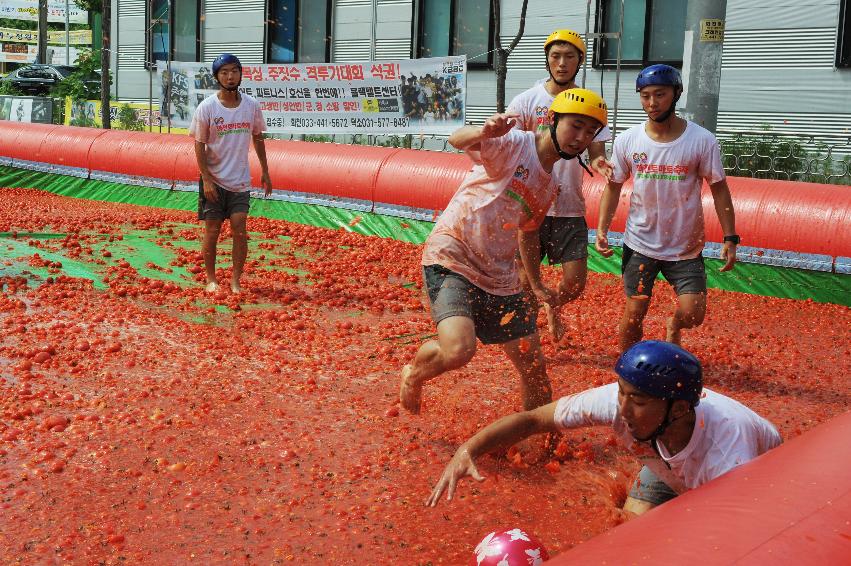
(350, 122)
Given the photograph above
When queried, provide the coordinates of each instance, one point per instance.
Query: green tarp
(747, 278)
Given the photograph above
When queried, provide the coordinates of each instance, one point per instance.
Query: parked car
(37, 79)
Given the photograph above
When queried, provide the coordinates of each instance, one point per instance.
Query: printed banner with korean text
(75, 37)
(28, 10)
(411, 96)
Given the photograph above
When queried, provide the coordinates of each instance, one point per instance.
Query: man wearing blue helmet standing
(668, 158)
(223, 125)
(683, 434)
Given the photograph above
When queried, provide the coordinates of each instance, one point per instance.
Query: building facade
(786, 64)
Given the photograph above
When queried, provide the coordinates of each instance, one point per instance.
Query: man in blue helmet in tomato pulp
(683, 434)
(668, 158)
(223, 126)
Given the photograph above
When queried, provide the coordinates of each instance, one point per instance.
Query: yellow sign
(369, 105)
(76, 37)
(712, 30)
(86, 113)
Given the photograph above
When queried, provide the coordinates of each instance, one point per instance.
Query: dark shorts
(229, 203)
(497, 319)
(563, 239)
(648, 487)
(687, 276)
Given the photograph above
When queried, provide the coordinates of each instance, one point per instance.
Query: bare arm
(260, 148)
(207, 181)
(727, 219)
(530, 254)
(608, 205)
(469, 137)
(503, 433)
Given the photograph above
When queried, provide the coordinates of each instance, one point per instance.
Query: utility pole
(67, 33)
(42, 31)
(105, 51)
(704, 42)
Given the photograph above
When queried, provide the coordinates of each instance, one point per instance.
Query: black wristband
(733, 239)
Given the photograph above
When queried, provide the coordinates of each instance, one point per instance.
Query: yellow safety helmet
(581, 101)
(567, 35)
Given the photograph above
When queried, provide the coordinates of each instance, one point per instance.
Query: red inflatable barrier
(806, 218)
(137, 154)
(781, 215)
(791, 505)
(20, 140)
(421, 179)
(69, 147)
(338, 171)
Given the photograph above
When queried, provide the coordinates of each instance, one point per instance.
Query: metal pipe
(618, 74)
(67, 35)
(374, 32)
(587, 31)
(150, 37)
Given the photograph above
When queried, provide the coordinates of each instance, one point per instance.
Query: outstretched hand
(460, 466)
(499, 124)
(602, 166)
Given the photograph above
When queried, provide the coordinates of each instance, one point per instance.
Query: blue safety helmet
(659, 75)
(225, 59)
(662, 370)
(663, 75)
(221, 61)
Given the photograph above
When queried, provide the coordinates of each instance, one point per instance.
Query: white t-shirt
(533, 106)
(227, 133)
(665, 219)
(726, 434)
(476, 236)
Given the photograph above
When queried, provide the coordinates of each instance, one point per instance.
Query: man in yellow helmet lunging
(469, 262)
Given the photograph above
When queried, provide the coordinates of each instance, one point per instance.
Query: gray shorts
(687, 276)
(648, 487)
(563, 239)
(497, 319)
(229, 203)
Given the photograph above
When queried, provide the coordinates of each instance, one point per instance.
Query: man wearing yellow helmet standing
(469, 262)
(564, 233)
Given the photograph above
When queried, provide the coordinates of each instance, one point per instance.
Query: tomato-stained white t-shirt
(665, 219)
(533, 106)
(726, 434)
(227, 133)
(476, 236)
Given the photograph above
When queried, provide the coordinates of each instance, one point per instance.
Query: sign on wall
(26, 109)
(28, 10)
(411, 96)
(75, 37)
(18, 53)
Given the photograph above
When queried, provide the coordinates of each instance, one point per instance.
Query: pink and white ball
(510, 548)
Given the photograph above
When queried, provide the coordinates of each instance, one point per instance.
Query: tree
(502, 53)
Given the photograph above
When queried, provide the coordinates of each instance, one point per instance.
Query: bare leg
(454, 347)
(528, 358)
(690, 312)
(632, 322)
(635, 507)
(213, 226)
(574, 276)
(239, 233)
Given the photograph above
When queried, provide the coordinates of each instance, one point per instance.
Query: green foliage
(129, 120)
(90, 5)
(83, 83)
(770, 155)
(7, 89)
